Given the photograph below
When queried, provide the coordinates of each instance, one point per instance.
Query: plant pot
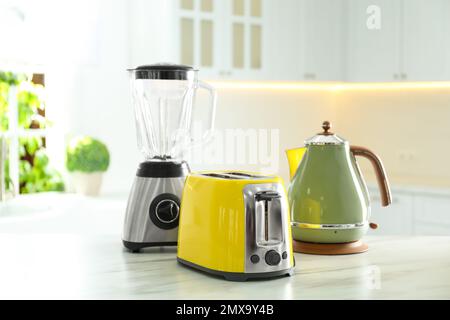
(88, 184)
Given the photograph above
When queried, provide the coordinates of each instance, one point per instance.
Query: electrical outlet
(406, 155)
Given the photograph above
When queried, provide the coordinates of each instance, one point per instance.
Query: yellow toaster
(236, 225)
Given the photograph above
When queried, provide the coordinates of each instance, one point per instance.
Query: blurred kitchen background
(379, 70)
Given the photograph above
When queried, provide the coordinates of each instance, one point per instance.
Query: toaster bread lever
(267, 196)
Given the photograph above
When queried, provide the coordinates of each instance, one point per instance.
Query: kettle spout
(294, 156)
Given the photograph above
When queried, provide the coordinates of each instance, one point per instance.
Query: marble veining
(86, 267)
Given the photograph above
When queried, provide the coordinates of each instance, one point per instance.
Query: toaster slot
(220, 175)
(242, 174)
(233, 175)
(268, 218)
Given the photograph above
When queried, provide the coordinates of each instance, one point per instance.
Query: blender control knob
(165, 210)
(272, 258)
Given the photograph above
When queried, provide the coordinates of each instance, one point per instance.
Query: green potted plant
(87, 159)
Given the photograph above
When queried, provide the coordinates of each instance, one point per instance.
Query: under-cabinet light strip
(265, 85)
(330, 86)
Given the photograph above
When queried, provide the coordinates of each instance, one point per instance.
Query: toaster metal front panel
(278, 229)
(138, 226)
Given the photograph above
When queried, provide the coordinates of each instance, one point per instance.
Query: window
(23, 130)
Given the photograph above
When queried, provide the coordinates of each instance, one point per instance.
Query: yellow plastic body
(294, 156)
(211, 231)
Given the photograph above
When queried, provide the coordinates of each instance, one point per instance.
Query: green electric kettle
(328, 198)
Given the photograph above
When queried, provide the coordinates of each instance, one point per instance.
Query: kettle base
(238, 276)
(329, 248)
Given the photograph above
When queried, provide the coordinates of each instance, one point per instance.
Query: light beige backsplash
(408, 128)
(297, 114)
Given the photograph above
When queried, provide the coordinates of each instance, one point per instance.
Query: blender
(165, 110)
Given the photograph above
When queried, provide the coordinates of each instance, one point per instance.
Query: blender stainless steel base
(152, 212)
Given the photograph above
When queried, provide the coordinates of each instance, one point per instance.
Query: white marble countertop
(74, 251)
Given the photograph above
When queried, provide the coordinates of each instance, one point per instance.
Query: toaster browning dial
(272, 258)
(164, 211)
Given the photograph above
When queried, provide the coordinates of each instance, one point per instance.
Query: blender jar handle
(213, 100)
(383, 183)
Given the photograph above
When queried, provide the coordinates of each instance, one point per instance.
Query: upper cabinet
(298, 40)
(321, 38)
(243, 49)
(197, 34)
(398, 40)
(224, 39)
(373, 50)
(425, 31)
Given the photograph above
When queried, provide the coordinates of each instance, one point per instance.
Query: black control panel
(272, 257)
(165, 211)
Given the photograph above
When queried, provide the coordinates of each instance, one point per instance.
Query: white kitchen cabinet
(235, 39)
(282, 55)
(411, 44)
(412, 212)
(299, 40)
(199, 30)
(373, 54)
(431, 215)
(244, 51)
(322, 38)
(425, 40)
(394, 219)
(177, 31)
(224, 39)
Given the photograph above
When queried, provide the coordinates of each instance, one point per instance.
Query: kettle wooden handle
(382, 180)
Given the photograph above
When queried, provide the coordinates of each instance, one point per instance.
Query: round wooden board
(329, 248)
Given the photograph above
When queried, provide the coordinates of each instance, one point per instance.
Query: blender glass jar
(163, 97)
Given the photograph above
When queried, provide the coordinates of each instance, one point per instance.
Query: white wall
(91, 96)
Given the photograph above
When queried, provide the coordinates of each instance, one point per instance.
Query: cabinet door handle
(404, 76)
(396, 76)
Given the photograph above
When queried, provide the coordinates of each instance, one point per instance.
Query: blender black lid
(164, 71)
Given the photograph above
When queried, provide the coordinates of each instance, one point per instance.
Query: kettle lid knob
(326, 137)
(326, 126)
